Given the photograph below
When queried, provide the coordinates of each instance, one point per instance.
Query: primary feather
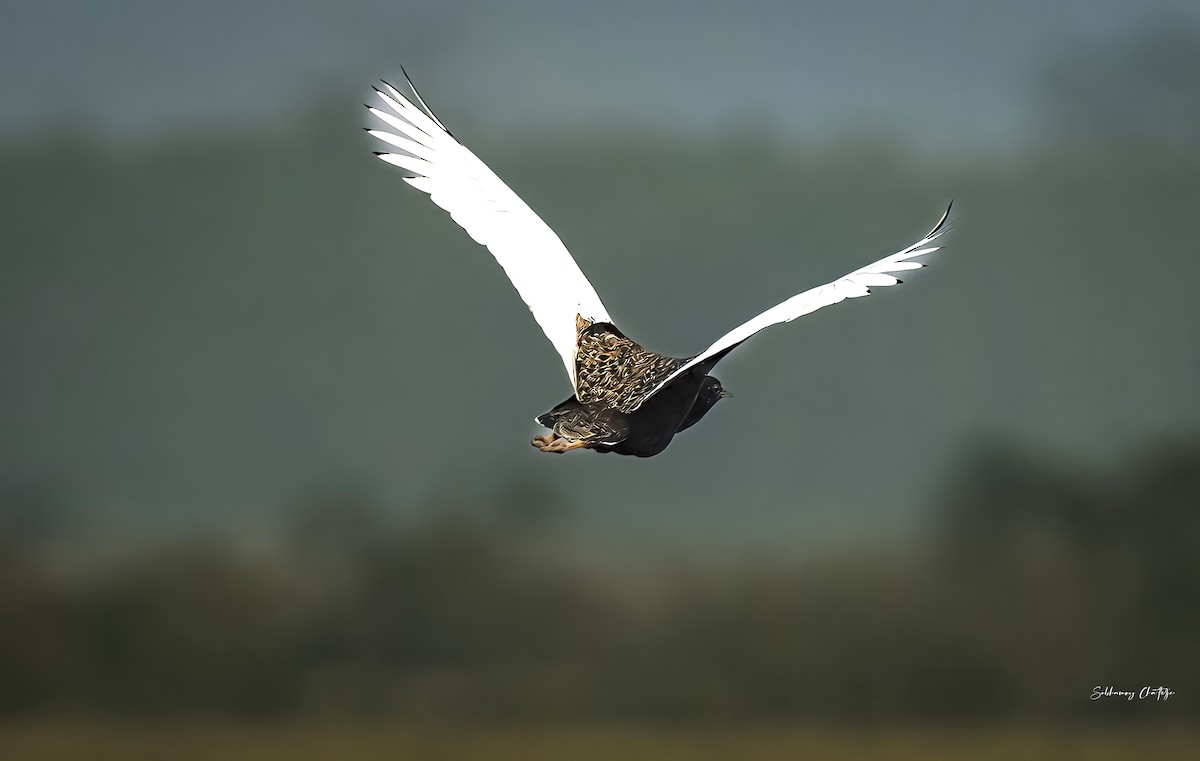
(535, 260)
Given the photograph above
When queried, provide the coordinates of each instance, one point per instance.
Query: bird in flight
(626, 399)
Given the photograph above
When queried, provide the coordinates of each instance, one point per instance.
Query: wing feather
(854, 285)
(531, 254)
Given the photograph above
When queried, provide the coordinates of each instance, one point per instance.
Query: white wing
(851, 286)
(533, 257)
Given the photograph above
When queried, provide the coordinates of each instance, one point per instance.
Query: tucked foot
(548, 443)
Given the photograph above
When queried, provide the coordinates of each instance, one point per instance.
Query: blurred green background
(265, 481)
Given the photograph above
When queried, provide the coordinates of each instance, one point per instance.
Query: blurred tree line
(1044, 581)
(198, 317)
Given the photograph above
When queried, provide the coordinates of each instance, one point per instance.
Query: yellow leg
(566, 445)
(547, 443)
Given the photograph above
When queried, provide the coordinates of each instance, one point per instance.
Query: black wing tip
(392, 87)
(388, 95)
(419, 101)
(942, 222)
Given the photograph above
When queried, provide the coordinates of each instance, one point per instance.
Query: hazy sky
(946, 73)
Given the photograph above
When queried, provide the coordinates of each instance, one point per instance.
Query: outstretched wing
(533, 257)
(851, 286)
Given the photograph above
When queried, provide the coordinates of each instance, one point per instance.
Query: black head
(710, 393)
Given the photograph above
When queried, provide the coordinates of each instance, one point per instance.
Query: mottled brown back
(615, 372)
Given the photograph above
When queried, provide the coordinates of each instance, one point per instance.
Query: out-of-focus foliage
(1044, 583)
(206, 319)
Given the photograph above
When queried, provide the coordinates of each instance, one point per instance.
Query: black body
(710, 393)
(650, 428)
